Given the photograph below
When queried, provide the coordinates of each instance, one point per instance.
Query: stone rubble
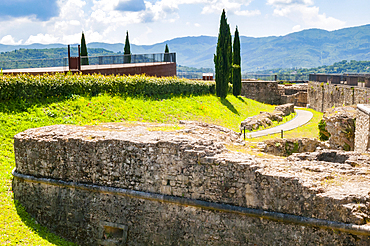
(340, 124)
(265, 119)
(285, 147)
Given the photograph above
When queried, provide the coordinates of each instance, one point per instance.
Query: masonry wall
(362, 134)
(80, 216)
(262, 91)
(55, 158)
(322, 96)
(271, 92)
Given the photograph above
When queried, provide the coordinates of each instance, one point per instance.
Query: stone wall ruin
(271, 92)
(322, 96)
(117, 184)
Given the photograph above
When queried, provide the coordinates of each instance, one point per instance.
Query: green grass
(309, 130)
(16, 226)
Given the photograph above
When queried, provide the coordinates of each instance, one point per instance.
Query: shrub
(26, 87)
(323, 133)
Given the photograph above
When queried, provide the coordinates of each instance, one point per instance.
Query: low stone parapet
(145, 184)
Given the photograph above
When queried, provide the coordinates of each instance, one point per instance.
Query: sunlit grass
(16, 226)
(309, 130)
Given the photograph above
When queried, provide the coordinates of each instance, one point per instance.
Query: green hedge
(41, 86)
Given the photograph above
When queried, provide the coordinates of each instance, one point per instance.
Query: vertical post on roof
(79, 58)
(69, 57)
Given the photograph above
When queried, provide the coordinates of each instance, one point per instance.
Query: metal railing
(92, 60)
(133, 58)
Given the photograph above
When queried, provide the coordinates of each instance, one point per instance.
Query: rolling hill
(306, 49)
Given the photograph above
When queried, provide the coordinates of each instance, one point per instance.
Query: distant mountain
(307, 49)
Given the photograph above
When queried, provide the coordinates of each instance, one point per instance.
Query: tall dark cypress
(85, 59)
(126, 51)
(166, 54)
(223, 58)
(237, 74)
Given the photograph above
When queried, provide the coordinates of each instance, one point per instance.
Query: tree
(223, 58)
(236, 69)
(85, 59)
(167, 54)
(126, 50)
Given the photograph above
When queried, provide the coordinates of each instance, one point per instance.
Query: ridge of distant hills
(305, 49)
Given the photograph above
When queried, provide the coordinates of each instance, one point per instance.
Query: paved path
(301, 118)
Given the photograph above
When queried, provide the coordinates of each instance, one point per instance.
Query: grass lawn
(16, 226)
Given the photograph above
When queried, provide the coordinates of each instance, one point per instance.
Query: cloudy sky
(154, 21)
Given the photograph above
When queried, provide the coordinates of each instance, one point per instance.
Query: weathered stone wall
(272, 93)
(81, 183)
(299, 99)
(322, 96)
(80, 215)
(262, 91)
(340, 125)
(362, 134)
(286, 147)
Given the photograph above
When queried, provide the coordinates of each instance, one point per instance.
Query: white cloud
(144, 37)
(248, 13)
(297, 28)
(9, 40)
(197, 25)
(42, 39)
(304, 13)
(231, 6)
(289, 2)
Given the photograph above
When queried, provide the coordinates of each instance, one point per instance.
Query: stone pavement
(301, 118)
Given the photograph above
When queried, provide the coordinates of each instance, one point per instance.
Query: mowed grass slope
(16, 226)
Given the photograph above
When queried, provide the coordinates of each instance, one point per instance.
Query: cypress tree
(127, 52)
(237, 74)
(222, 58)
(166, 54)
(85, 59)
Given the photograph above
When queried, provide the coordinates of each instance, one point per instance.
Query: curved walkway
(301, 118)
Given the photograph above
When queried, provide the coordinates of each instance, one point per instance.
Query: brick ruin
(148, 184)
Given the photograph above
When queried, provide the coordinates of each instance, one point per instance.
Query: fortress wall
(148, 187)
(84, 217)
(262, 91)
(322, 96)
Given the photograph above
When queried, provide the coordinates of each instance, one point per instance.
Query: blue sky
(153, 21)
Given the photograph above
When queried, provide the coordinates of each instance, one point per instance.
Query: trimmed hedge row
(41, 86)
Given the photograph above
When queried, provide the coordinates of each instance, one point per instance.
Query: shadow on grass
(39, 229)
(241, 99)
(231, 107)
